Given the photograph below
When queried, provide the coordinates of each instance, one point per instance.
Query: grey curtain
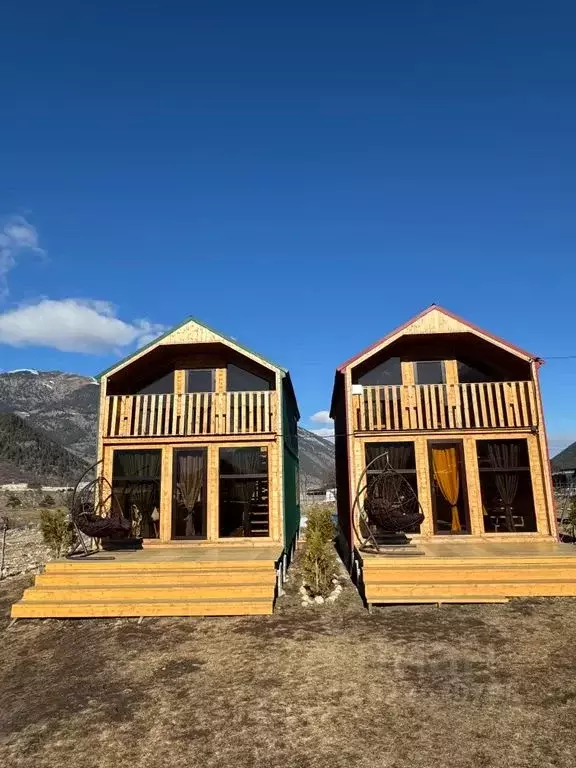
(504, 456)
(398, 456)
(190, 479)
(140, 464)
(142, 470)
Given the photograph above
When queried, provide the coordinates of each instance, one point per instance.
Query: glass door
(449, 500)
(243, 504)
(189, 494)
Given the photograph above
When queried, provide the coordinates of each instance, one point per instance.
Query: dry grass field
(407, 687)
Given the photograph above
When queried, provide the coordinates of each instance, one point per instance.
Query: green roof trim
(152, 343)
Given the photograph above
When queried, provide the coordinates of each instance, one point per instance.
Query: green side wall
(291, 465)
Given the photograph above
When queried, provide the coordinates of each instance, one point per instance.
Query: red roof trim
(402, 327)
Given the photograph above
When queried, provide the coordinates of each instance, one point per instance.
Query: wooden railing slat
(498, 390)
(492, 413)
(525, 419)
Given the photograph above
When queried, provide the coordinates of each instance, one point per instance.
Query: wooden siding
(490, 405)
(184, 415)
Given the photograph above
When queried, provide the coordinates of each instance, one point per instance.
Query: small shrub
(57, 530)
(319, 557)
(13, 501)
(47, 501)
(571, 517)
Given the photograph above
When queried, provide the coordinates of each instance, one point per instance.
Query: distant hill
(63, 405)
(63, 408)
(28, 455)
(316, 460)
(566, 459)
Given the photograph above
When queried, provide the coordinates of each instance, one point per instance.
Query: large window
(240, 380)
(401, 457)
(473, 374)
(387, 372)
(243, 492)
(189, 494)
(136, 477)
(506, 484)
(449, 500)
(162, 386)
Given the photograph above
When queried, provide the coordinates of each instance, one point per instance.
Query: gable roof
(441, 321)
(177, 335)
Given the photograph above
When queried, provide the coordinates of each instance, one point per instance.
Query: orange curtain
(445, 464)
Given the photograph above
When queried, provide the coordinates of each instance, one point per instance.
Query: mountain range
(565, 460)
(48, 430)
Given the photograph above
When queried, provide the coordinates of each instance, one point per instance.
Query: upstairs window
(240, 380)
(388, 372)
(162, 386)
(429, 372)
(471, 374)
(200, 380)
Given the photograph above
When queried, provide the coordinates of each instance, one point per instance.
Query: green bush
(319, 557)
(13, 501)
(57, 531)
(47, 501)
(571, 517)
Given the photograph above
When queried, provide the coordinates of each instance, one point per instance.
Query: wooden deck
(163, 581)
(471, 571)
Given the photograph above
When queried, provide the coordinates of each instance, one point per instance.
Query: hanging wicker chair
(96, 513)
(390, 509)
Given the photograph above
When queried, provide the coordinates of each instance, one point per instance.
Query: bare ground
(329, 686)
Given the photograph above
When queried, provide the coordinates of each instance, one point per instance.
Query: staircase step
(425, 562)
(380, 591)
(156, 566)
(440, 599)
(130, 593)
(180, 578)
(502, 572)
(107, 608)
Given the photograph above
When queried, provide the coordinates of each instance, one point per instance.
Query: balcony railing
(490, 405)
(196, 413)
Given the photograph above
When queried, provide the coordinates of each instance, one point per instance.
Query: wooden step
(137, 593)
(181, 578)
(382, 591)
(156, 566)
(410, 599)
(106, 608)
(501, 572)
(424, 562)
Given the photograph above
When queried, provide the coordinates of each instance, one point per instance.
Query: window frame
(212, 371)
(447, 443)
(521, 470)
(441, 363)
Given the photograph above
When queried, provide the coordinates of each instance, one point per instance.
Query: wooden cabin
(457, 412)
(197, 443)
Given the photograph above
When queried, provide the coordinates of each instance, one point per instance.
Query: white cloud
(17, 237)
(323, 432)
(321, 417)
(74, 325)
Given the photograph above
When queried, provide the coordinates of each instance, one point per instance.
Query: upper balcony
(486, 405)
(190, 414)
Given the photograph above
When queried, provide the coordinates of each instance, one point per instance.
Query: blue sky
(302, 176)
